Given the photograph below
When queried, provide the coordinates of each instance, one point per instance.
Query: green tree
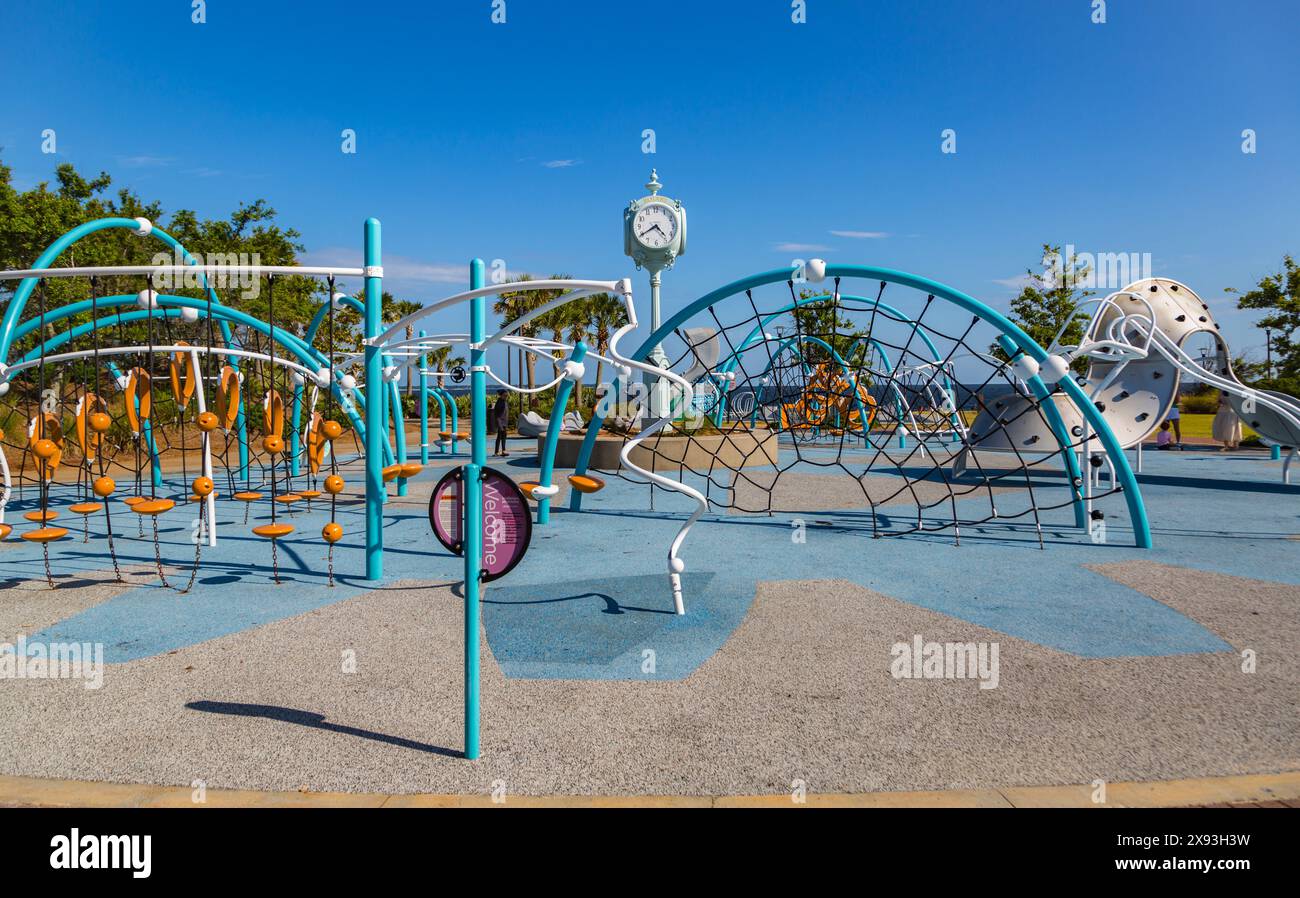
(605, 314)
(1279, 295)
(1046, 303)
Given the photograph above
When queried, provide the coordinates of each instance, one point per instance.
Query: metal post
(424, 406)
(375, 435)
(473, 492)
(553, 435)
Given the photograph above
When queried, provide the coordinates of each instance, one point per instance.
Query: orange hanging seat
(273, 531)
(41, 515)
(153, 506)
(391, 473)
(85, 508)
(45, 534)
(248, 497)
(411, 469)
(5, 530)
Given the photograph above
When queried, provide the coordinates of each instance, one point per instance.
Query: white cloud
(145, 161)
(861, 235)
(562, 163)
(801, 247)
(1019, 282)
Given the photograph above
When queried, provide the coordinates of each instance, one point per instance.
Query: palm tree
(606, 314)
(396, 310)
(513, 304)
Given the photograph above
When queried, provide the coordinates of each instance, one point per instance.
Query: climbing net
(145, 395)
(878, 389)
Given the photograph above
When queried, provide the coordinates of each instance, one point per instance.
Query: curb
(23, 791)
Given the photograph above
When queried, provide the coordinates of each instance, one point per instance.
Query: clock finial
(653, 184)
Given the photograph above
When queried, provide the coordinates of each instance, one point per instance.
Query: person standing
(1174, 418)
(501, 417)
(1227, 426)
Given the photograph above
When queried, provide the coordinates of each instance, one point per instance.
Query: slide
(1135, 343)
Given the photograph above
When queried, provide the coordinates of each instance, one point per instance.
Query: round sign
(458, 374)
(507, 522)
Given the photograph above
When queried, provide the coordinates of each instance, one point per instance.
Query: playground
(734, 586)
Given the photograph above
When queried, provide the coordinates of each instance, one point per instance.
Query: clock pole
(654, 254)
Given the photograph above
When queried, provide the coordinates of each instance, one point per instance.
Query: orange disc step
(40, 516)
(391, 473)
(5, 530)
(85, 508)
(411, 468)
(45, 534)
(134, 500)
(153, 506)
(527, 486)
(288, 498)
(248, 497)
(273, 531)
(585, 484)
(310, 494)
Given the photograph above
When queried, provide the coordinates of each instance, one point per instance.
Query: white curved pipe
(675, 565)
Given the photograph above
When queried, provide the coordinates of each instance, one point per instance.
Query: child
(1164, 439)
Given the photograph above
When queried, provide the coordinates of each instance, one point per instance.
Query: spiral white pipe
(675, 564)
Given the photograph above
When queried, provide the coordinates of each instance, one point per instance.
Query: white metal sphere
(574, 371)
(815, 270)
(677, 565)
(1054, 367)
(348, 382)
(337, 299)
(1024, 367)
(145, 229)
(189, 314)
(4, 387)
(147, 299)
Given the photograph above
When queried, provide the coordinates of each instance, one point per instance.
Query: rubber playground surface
(1114, 663)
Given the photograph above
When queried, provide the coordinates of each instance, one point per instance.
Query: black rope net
(880, 389)
(46, 398)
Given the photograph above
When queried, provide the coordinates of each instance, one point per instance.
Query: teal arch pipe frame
(14, 309)
(1021, 340)
(553, 428)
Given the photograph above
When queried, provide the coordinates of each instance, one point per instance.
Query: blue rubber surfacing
(591, 599)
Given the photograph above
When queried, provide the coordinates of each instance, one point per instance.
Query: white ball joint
(145, 229)
(337, 300)
(323, 377)
(574, 371)
(348, 382)
(298, 379)
(1025, 367)
(189, 315)
(4, 379)
(676, 565)
(147, 299)
(814, 270)
(1053, 368)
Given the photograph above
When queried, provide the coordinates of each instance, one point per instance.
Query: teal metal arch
(14, 310)
(1020, 341)
(756, 335)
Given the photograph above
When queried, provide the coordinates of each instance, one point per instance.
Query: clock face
(655, 225)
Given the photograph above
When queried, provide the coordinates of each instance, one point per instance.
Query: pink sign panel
(507, 521)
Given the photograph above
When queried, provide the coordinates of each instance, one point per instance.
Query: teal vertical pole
(1275, 452)
(553, 435)
(295, 427)
(375, 432)
(474, 506)
(424, 407)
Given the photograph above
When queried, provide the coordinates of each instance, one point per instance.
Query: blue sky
(523, 141)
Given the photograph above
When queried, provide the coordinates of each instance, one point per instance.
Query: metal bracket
(373, 271)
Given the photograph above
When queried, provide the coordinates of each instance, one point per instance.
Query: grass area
(1198, 425)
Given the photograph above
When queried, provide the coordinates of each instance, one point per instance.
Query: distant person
(1164, 439)
(1227, 426)
(501, 417)
(1173, 418)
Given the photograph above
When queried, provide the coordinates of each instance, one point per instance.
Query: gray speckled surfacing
(802, 690)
